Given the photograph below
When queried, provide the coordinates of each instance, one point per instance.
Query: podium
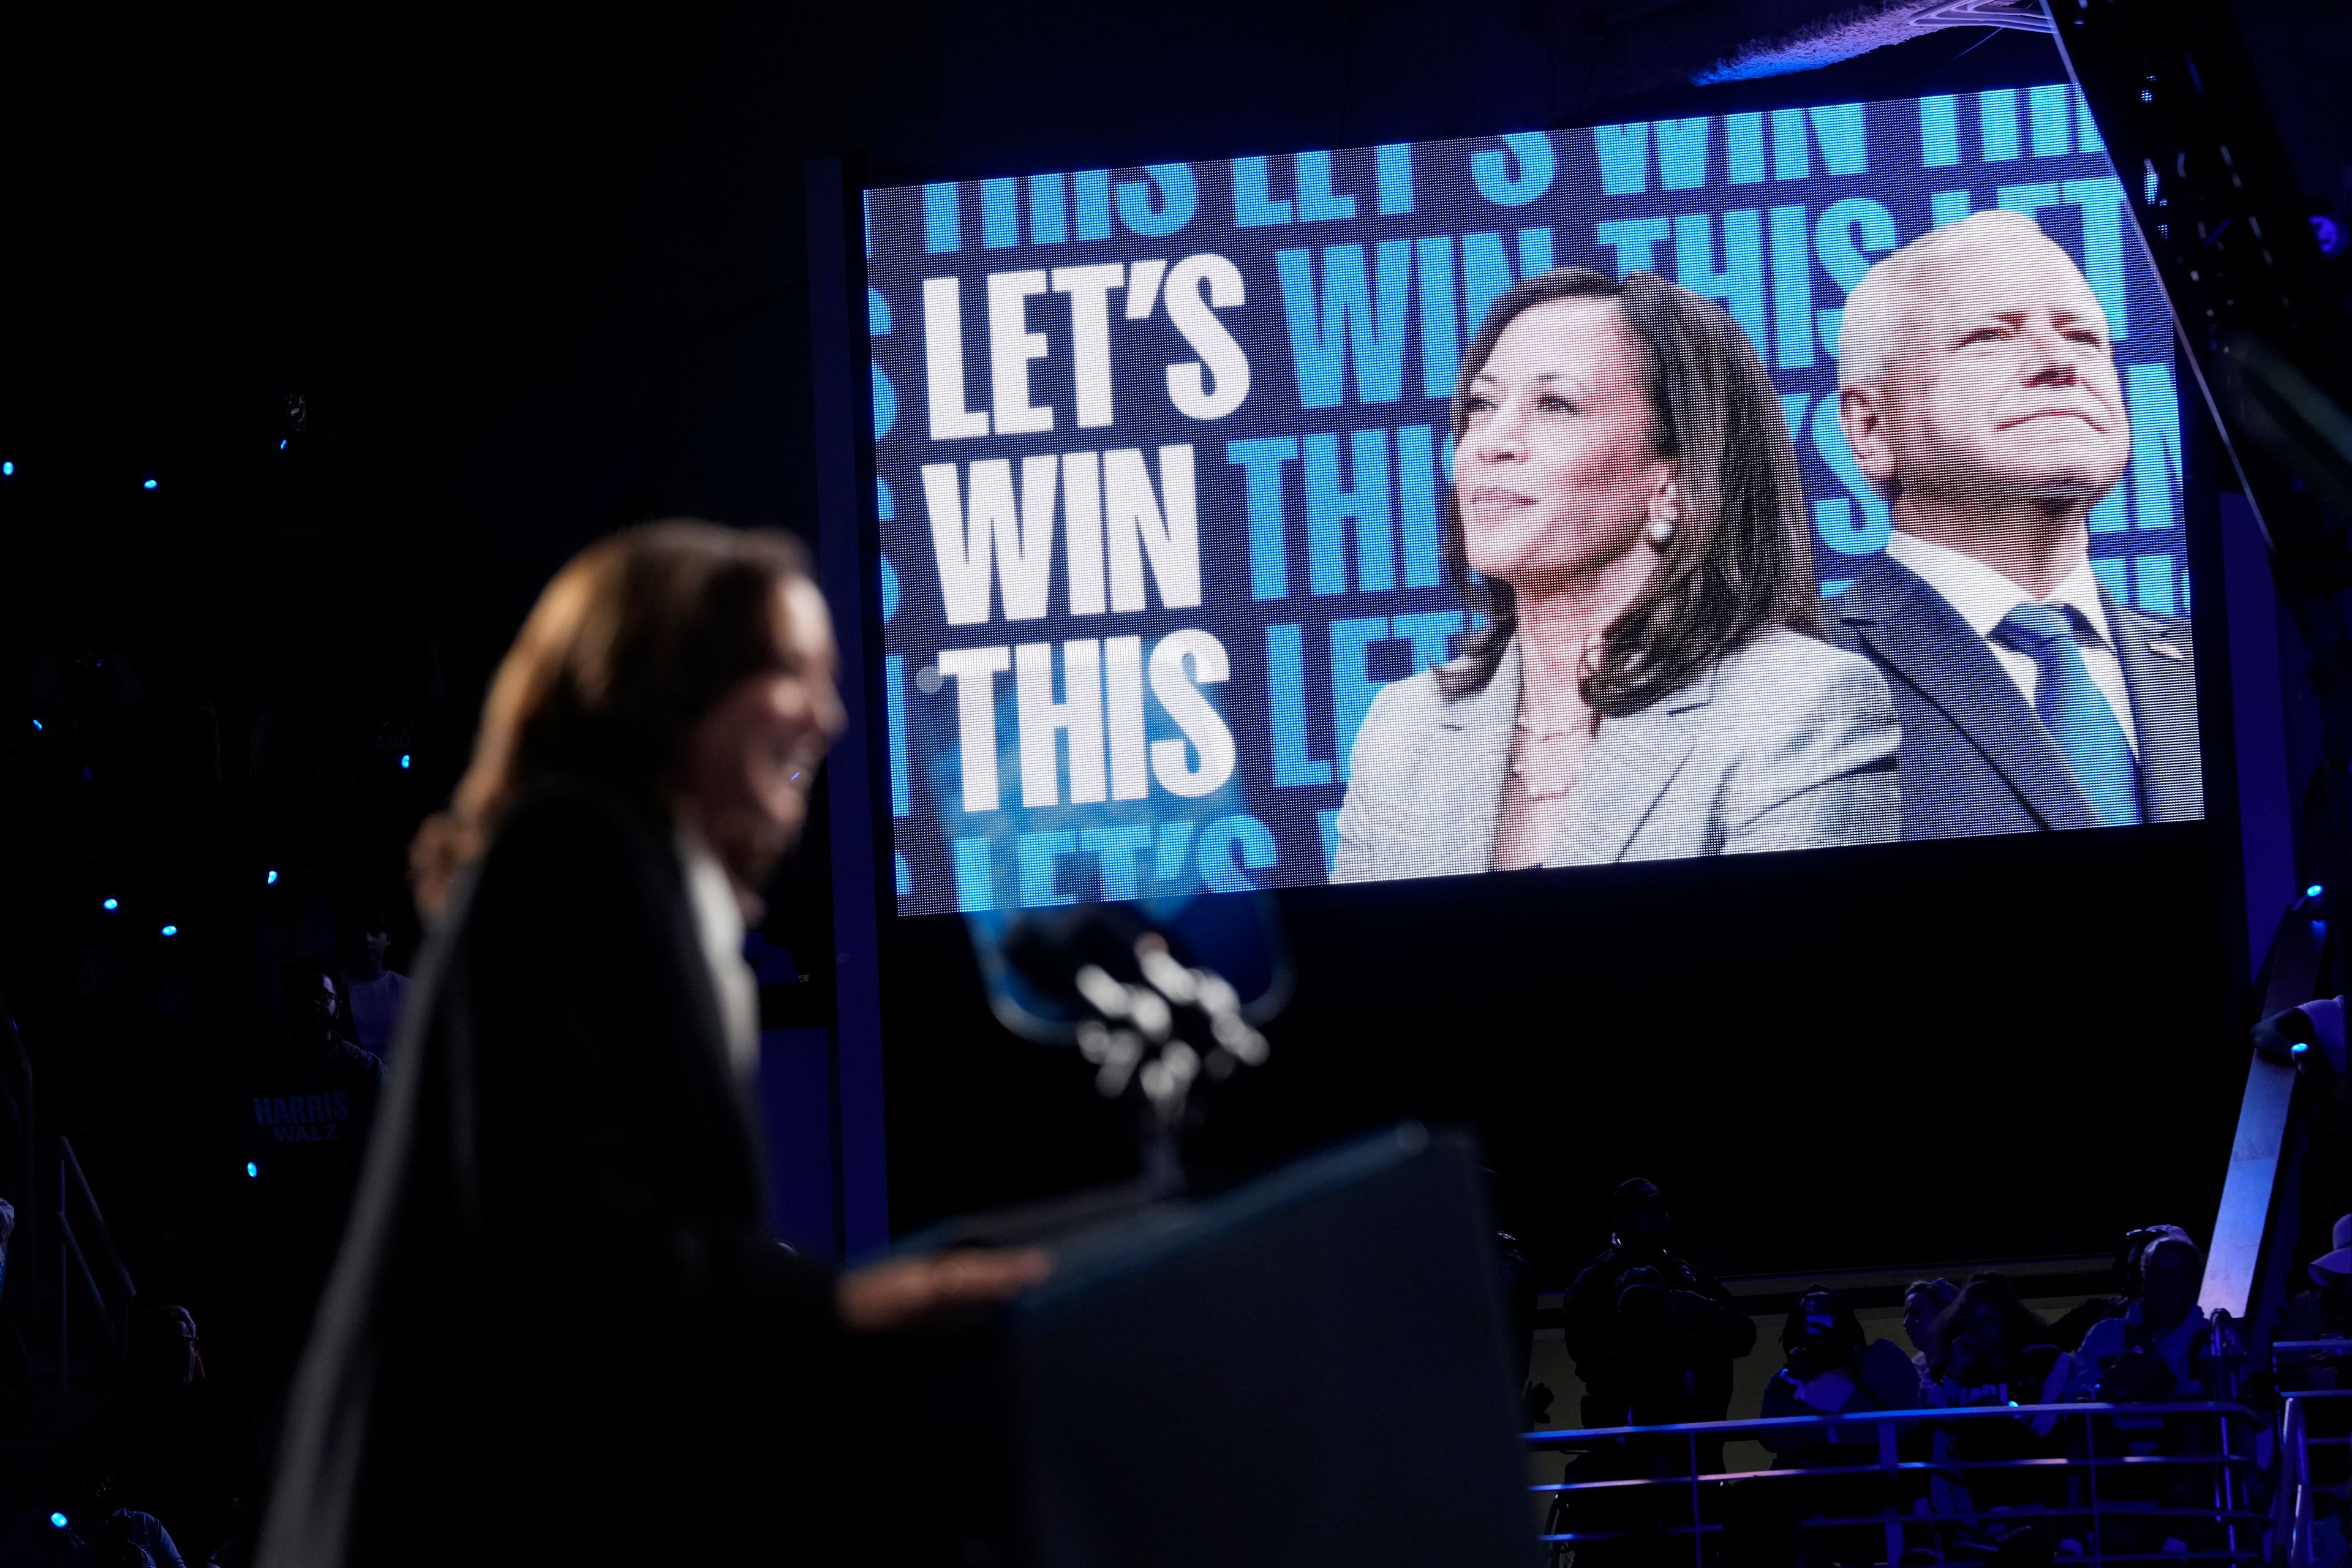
(1310, 1369)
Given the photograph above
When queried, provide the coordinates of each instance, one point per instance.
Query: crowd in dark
(1655, 1338)
(228, 695)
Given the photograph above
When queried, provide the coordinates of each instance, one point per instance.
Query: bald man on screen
(1977, 385)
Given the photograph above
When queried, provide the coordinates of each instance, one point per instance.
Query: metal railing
(88, 1255)
(1908, 1499)
(2297, 1512)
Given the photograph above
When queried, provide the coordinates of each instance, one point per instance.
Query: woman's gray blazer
(1785, 743)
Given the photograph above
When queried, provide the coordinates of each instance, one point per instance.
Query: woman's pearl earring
(1659, 533)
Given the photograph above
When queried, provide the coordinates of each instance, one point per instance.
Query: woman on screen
(1648, 680)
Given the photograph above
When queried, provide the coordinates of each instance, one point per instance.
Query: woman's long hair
(1741, 560)
(632, 643)
(2022, 1328)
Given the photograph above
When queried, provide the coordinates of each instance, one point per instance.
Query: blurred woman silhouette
(1649, 680)
(559, 1328)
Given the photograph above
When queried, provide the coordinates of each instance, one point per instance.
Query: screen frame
(2231, 680)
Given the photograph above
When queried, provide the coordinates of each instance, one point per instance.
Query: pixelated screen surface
(1183, 497)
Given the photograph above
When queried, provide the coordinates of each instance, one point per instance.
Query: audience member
(1997, 1353)
(377, 993)
(305, 1105)
(82, 1524)
(310, 1098)
(1518, 1281)
(1924, 1301)
(1654, 1340)
(1653, 1337)
(2324, 1312)
(2152, 1351)
(182, 1444)
(1829, 1369)
(2321, 1314)
(2078, 1319)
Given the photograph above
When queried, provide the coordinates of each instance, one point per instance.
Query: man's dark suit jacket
(1975, 758)
(559, 1329)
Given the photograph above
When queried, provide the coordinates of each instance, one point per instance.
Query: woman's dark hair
(1741, 560)
(2021, 1325)
(627, 648)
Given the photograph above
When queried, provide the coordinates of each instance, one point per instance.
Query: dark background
(537, 280)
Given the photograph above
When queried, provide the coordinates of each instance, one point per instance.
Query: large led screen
(1739, 483)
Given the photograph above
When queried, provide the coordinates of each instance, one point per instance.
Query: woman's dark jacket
(560, 1324)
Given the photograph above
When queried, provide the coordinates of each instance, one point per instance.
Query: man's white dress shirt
(1984, 599)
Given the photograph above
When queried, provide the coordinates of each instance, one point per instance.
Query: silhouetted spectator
(2156, 1352)
(1831, 1370)
(1519, 1280)
(2321, 1314)
(308, 1099)
(82, 1522)
(2324, 1312)
(2152, 1351)
(1924, 1301)
(2070, 1330)
(182, 1444)
(1653, 1337)
(305, 1106)
(377, 993)
(1997, 1353)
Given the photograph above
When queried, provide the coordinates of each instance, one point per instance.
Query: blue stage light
(111, 905)
(37, 726)
(2314, 890)
(403, 762)
(2297, 1048)
(2328, 233)
(251, 1169)
(281, 443)
(171, 930)
(147, 483)
(57, 1521)
(272, 878)
(7, 470)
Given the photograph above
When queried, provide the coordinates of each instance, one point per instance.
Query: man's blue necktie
(2074, 710)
